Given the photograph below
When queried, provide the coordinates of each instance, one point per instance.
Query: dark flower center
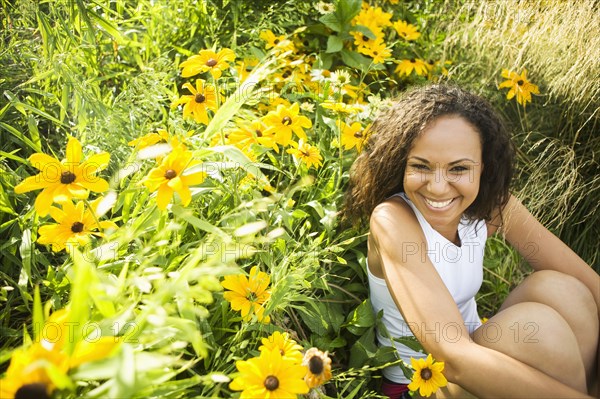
(77, 227)
(258, 133)
(365, 38)
(32, 391)
(271, 383)
(358, 135)
(286, 74)
(199, 98)
(67, 177)
(315, 365)
(211, 62)
(276, 41)
(426, 374)
(286, 121)
(170, 174)
(413, 60)
(520, 82)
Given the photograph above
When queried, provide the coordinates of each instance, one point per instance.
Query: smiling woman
(434, 181)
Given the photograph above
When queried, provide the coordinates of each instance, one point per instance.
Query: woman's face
(443, 172)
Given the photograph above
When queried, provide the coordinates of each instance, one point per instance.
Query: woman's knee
(537, 335)
(557, 290)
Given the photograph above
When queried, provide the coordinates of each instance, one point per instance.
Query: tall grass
(558, 43)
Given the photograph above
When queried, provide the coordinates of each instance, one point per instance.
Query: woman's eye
(459, 169)
(419, 166)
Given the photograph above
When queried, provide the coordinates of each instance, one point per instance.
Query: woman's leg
(537, 335)
(573, 301)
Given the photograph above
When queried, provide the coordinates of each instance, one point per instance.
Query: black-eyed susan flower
(36, 370)
(248, 294)
(284, 121)
(378, 51)
(28, 375)
(248, 133)
(203, 98)
(279, 43)
(341, 107)
(354, 136)
(207, 60)
(282, 342)
(361, 40)
(62, 180)
(74, 227)
(406, 30)
(373, 18)
(519, 86)
(406, 67)
(150, 139)
(318, 367)
(428, 376)
(269, 376)
(170, 177)
(306, 153)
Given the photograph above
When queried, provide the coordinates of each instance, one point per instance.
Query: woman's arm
(425, 303)
(542, 249)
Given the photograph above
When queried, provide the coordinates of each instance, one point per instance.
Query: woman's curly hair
(378, 172)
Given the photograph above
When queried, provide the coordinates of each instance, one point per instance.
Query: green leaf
(355, 60)
(334, 44)
(187, 215)
(348, 9)
(365, 31)
(331, 21)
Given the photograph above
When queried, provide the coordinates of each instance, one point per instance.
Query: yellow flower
(361, 40)
(29, 373)
(519, 86)
(373, 18)
(284, 121)
(406, 30)
(269, 376)
(203, 97)
(170, 177)
(75, 225)
(378, 51)
(149, 139)
(354, 136)
(252, 133)
(243, 68)
(33, 370)
(207, 60)
(319, 367)
(279, 43)
(340, 107)
(64, 180)
(428, 376)
(405, 67)
(282, 342)
(248, 294)
(306, 153)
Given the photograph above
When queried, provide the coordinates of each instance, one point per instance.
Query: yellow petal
(33, 183)
(44, 201)
(73, 151)
(89, 351)
(163, 197)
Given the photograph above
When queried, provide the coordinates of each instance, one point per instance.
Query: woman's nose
(437, 182)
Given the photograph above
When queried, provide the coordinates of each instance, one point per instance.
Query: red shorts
(394, 390)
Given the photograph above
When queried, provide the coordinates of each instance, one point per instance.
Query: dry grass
(558, 42)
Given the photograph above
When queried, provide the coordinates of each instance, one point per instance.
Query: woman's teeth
(435, 204)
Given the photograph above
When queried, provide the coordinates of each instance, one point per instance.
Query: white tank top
(461, 270)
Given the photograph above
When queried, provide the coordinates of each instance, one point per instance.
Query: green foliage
(106, 72)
